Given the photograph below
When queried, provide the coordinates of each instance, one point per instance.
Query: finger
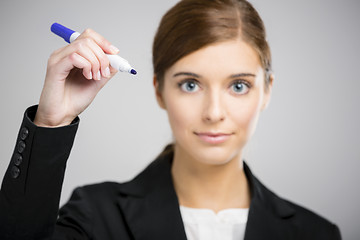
(82, 63)
(98, 45)
(76, 60)
(104, 44)
(102, 58)
(81, 48)
(85, 48)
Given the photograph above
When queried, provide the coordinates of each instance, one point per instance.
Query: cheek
(245, 113)
(182, 115)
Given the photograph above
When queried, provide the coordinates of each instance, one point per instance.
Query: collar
(151, 208)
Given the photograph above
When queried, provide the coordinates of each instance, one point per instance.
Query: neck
(202, 185)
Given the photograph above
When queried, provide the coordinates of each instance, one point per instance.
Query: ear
(158, 94)
(268, 91)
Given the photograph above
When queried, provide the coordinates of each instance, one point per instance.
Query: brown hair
(193, 24)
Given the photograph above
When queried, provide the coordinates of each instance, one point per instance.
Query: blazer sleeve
(30, 191)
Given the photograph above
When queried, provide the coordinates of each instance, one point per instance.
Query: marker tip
(133, 71)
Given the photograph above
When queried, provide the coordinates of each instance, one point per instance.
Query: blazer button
(21, 147)
(15, 172)
(24, 133)
(17, 159)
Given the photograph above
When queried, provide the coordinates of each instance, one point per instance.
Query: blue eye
(239, 88)
(189, 86)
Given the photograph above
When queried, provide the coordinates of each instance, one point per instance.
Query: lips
(213, 138)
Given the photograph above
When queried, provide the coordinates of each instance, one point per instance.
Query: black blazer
(143, 208)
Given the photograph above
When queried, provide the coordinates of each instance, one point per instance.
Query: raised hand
(75, 74)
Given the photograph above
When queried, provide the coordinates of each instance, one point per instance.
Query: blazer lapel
(150, 205)
(268, 214)
(264, 225)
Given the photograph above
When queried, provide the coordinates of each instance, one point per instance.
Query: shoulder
(151, 177)
(312, 225)
(98, 191)
(306, 223)
(309, 224)
(92, 201)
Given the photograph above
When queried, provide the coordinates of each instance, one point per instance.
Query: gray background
(306, 147)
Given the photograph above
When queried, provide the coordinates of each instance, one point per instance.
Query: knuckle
(81, 44)
(72, 56)
(78, 44)
(87, 41)
(88, 31)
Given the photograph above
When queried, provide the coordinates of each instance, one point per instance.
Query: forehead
(219, 59)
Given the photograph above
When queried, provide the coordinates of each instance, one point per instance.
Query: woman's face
(213, 98)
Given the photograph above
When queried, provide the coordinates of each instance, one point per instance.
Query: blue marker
(69, 36)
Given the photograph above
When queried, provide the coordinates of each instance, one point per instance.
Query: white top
(205, 224)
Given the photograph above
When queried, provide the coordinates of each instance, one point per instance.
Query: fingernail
(114, 49)
(98, 75)
(90, 75)
(107, 72)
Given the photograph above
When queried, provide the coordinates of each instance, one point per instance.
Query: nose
(213, 110)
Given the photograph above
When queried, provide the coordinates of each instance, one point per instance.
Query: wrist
(41, 121)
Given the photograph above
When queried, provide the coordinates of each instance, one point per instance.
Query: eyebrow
(198, 76)
(242, 75)
(187, 74)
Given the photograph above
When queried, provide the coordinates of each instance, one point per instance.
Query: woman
(212, 74)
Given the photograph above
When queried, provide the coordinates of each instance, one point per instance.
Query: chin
(216, 156)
